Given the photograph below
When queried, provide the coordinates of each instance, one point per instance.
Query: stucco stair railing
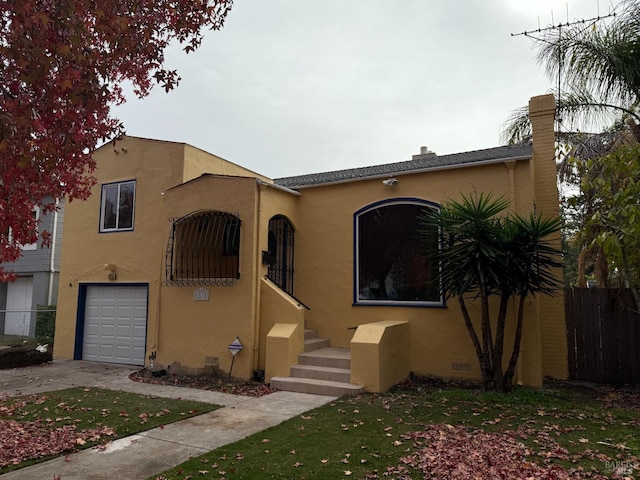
(321, 370)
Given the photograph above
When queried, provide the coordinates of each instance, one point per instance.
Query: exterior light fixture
(390, 182)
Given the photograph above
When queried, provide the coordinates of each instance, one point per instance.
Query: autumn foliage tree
(62, 67)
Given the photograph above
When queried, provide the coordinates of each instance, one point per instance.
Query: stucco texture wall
(190, 331)
(439, 342)
(136, 254)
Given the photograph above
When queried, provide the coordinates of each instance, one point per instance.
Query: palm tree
(484, 253)
(599, 70)
(599, 67)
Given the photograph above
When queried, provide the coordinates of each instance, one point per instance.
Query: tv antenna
(589, 22)
(554, 26)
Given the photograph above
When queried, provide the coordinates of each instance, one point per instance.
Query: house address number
(201, 295)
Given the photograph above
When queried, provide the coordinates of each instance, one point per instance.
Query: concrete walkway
(143, 455)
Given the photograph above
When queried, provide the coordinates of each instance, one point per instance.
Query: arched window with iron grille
(280, 264)
(204, 249)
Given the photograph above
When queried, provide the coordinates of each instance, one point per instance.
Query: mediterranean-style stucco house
(179, 257)
(36, 276)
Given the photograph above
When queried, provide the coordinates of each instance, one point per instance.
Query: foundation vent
(211, 361)
(460, 367)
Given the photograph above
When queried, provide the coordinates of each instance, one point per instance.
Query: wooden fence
(603, 336)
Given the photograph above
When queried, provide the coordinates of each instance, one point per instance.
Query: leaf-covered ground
(429, 430)
(206, 382)
(38, 427)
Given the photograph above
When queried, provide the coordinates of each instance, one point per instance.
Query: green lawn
(364, 436)
(15, 341)
(38, 427)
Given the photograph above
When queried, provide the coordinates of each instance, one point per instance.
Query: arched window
(204, 249)
(391, 264)
(281, 241)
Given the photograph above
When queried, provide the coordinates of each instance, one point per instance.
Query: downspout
(52, 249)
(257, 284)
(156, 331)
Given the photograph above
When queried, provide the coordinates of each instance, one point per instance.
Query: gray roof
(420, 162)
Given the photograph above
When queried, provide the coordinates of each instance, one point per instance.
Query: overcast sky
(299, 86)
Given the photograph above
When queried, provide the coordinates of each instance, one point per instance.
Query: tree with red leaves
(62, 66)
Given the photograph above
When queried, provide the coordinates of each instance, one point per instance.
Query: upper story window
(391, 264)
(118, 204)
(29, 246)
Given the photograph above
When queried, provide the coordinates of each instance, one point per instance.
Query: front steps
(321, 370)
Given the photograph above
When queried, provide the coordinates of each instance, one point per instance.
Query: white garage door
(115, 324)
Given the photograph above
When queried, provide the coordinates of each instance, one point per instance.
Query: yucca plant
(486, 252)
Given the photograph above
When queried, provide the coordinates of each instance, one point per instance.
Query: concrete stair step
(327, 357)
(309, 334)
(315, 344)
(317, 387)
(321, 373)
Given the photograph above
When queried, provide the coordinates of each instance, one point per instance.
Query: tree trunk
(601, 268)
(487, 338)
(626, 270)
(511, 368)
(581, 280)
(498, 349)
(482, 357)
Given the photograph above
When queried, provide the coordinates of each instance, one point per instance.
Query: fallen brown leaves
(20, 441)
(205, 382)
(448, 452)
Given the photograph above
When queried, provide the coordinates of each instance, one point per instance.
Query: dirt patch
(15, 357)
(234, 386)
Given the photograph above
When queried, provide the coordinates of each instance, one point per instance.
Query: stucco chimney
(424, 152)
(549, 310)
(543, 167)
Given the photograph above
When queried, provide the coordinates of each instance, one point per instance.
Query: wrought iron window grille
(203, 250)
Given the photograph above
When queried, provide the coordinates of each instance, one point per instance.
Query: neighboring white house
(36, 280)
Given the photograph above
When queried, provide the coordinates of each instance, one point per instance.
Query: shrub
(46, 322)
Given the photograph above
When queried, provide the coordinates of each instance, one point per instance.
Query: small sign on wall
(201, 295)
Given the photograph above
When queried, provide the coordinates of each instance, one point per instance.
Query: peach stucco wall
(156, 166)
(139, 255)
(379, 355)
(324, 253)
(550, 314)
(189, 330)
(200, 162)
(276, 307)
(188, 334)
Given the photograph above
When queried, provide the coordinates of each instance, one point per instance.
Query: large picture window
(117, 209)
(392, 266)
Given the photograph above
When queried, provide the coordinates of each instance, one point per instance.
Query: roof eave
(411, 172)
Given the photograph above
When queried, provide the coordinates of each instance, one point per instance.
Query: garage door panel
(115, 326)
(91, 349)
(106, 350)
(106, 331)
(124, 331)
(140, 332)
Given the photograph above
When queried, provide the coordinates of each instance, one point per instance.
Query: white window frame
(103, 203)
(30, 246)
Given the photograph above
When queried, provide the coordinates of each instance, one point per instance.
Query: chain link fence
(28, 323)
